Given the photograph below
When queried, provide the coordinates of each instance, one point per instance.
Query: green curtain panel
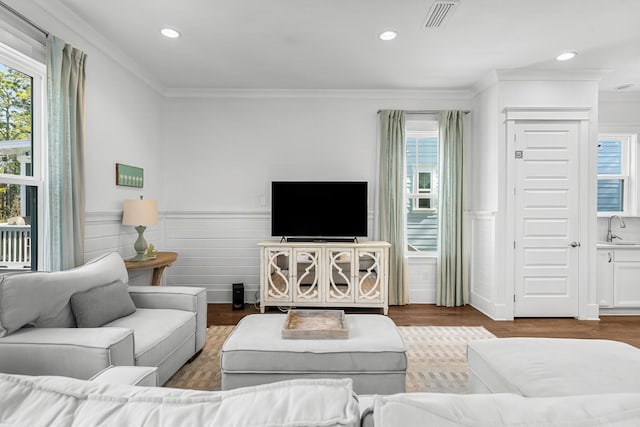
(451, 289)
(392, 204)
(64, 185)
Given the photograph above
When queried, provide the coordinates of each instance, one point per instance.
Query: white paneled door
(546, 218)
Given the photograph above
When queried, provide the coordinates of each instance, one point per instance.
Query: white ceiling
(333, 44)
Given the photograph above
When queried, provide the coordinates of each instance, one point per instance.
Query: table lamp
(140, 213)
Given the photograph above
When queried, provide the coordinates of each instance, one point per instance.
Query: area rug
(437, 359)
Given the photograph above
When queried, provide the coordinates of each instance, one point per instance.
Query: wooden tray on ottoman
(315, 325)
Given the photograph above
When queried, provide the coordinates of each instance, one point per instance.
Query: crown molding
(49, 12)
(431, 94)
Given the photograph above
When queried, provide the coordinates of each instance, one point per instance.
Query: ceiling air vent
(440, 11)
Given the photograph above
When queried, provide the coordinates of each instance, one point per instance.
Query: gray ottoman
(545, 367)
(373, 356)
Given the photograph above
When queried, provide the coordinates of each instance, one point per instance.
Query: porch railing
(15, 247)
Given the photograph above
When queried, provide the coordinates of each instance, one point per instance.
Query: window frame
(424, 127)
(628, 173)
(38, 72)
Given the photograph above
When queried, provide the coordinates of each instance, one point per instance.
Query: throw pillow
(100, 305)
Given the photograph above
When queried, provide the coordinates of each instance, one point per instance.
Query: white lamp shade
(140, 212)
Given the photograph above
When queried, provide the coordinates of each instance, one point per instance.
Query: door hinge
(514, 297)
(514, 137)
(514, 244)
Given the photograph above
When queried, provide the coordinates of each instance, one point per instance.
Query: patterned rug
(437, 359)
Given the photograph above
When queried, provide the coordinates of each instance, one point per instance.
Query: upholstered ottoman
(373, 356)
(541, 367)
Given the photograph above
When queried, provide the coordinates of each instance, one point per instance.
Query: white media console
(310, 274)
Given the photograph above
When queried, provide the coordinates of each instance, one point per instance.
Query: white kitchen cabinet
(618, 277)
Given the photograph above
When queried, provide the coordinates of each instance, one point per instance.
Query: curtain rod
(24, 18)
(427, 111)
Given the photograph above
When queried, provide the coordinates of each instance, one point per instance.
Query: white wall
(223, 150)
(619, 112)
(483, 200)
(123, 125)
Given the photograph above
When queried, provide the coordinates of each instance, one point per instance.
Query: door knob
(574, 244)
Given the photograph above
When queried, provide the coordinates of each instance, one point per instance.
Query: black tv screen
(318, 209)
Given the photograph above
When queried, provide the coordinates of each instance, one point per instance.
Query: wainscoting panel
(104, 233)
(215, 250)
(481, 269)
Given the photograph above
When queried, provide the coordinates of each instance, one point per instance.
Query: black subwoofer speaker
(238, 296)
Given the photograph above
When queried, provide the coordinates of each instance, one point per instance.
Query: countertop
(618, 245)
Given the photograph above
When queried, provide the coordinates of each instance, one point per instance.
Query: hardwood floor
(618, 328)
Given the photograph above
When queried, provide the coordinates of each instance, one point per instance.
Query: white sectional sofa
(40, 313)
(59, 402)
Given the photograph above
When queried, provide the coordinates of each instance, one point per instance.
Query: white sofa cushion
(42, 299)
(495, 410)
(57, 401)
(71, 352)
(539, 367)
(157, 332)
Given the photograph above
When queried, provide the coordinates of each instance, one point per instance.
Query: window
(614, 180)
(422, 185)
(21, 106)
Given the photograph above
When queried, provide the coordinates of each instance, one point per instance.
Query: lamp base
(140, 246)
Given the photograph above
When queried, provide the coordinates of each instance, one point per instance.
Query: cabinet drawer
(626, 255)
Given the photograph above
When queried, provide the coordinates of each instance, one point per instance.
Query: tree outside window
(21, 108)
(15, 137)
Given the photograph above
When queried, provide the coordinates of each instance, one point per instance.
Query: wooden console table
(158, 264)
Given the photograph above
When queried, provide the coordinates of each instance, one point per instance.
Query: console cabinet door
(369, 275)
(306, 275)
(277, 275)
(340, 275)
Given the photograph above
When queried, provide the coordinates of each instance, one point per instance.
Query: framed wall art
(129, 176)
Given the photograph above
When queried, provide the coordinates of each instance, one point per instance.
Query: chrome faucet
(610, 235)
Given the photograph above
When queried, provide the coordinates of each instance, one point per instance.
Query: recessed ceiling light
(170, 33)
(566, 56)
(388, 35)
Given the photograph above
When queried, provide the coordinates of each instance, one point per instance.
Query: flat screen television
(318, 210)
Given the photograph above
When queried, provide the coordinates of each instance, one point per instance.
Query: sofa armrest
(70, 352)
(184, 298)
(144, 376)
